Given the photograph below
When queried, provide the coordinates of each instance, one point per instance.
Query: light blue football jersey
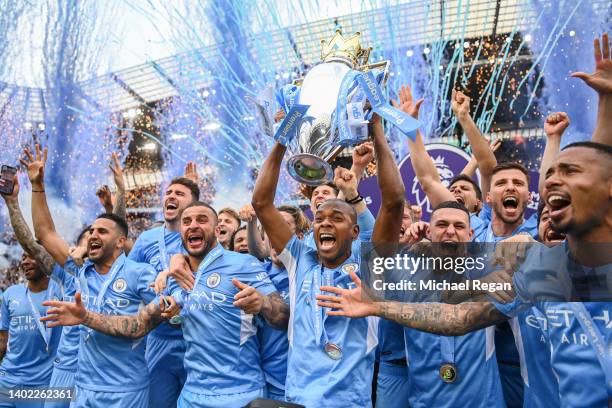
(313, 377)
(108, 363)
(222, 356)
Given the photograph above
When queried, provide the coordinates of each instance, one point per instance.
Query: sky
(135, 31)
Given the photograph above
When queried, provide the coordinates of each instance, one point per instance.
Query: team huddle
(201, 311)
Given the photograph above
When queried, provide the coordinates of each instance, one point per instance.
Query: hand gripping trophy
(326, 109)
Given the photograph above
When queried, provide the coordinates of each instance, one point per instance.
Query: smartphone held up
(7, 182)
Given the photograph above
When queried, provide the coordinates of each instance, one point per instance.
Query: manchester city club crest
(351, 267)
(120, 285)
(213, 280)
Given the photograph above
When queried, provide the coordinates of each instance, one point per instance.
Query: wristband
(38, 191)
(355, 200)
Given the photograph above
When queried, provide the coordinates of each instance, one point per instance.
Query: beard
(200, 252)
(577, 229)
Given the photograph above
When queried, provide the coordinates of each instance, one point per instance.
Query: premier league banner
(450, 161)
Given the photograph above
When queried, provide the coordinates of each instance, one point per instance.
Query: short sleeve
(253, 274)
(513, 308)
(522, 301)
(4, 313)
(145, 279)
(366, 222)
(174, 289)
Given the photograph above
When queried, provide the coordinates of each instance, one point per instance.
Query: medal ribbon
(447, 348)
(319, 312)
(603, 351)
(161, 244)
(45, 332)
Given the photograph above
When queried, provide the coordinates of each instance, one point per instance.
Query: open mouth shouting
(94, 248)
(553, 236)
(222, 233)
(171, 207)
(559, 204)
(327, 241)
(460, 199)
(29, 270)
(510, 205)
(195, 240)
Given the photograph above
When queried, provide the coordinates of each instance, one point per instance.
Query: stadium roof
(287, 48)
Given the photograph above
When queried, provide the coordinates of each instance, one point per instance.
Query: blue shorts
(392, 388)
(94, 399)
(275, 393)
(189, 399)
(167, 373)
(61, 378)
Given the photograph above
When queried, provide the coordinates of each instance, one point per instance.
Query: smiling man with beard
(222, 357)
(165, 346)
(443, 371)
(578, 193)
(331, 360)
(506, 203)
(112, 371)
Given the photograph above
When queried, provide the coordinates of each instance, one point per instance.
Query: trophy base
(309, 169)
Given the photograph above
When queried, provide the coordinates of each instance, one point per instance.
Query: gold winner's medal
(333, 351)
(448, 373)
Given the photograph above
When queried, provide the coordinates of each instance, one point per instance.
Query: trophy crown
(345, 49)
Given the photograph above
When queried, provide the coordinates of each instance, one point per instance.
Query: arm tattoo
(120, 205)
(443, 319)
(26, 239)
(132, 327)
(276, 311)
(3, 343)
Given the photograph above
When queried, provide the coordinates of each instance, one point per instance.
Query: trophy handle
(331, 156)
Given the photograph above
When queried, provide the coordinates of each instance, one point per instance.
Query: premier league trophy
(326, 109)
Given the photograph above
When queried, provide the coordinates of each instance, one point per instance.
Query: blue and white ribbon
(287, 95)
(288, 129)
(340, 122)
(404, 122)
